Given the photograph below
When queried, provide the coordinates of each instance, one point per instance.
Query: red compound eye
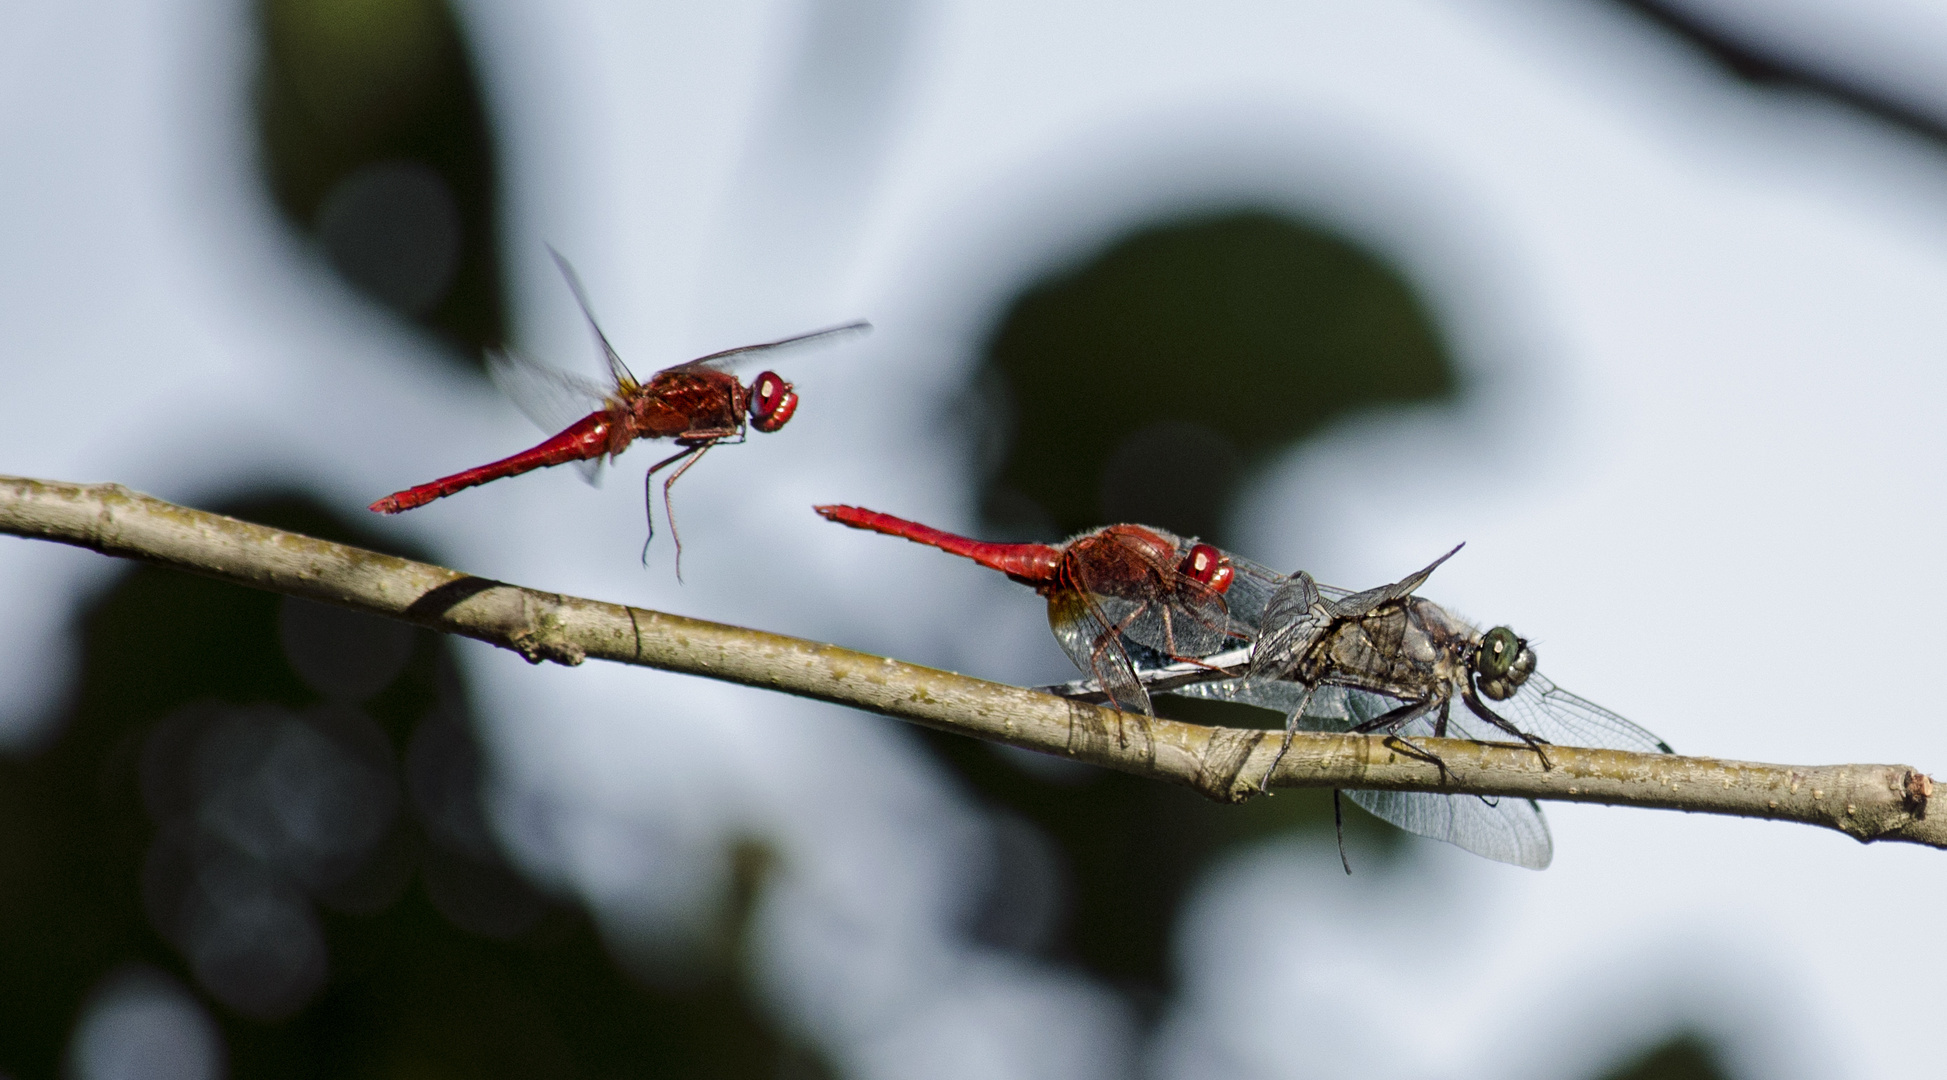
(1210, 566)
(772, 401)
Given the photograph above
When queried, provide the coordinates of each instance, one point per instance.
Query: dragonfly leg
(1481, 710)
(1338, 827)
(669, 511)
(649, 500)
(1398, 718)
(1290, 729)
(1405, 746)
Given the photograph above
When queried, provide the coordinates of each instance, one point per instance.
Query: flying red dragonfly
(698, 404)
(1114, 590)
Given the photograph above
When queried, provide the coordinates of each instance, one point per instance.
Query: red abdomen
(1029, 564)
(586, 438)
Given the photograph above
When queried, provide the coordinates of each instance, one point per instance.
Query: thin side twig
(1868, 802)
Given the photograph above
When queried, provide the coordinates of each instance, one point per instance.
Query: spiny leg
(1338, 826)
(1290, 729)
(1405, 746)
(669, 511)
(1481, 710)
(649, 496)
(1398, 718)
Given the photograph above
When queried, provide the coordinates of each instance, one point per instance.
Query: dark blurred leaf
(1137, 387)
(375, 142)
(1688, 1056)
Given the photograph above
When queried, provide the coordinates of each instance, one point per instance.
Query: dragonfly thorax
(688, 403)
(1502, 662)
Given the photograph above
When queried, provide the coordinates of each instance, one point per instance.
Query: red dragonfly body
(1105, 590)
(698, 404)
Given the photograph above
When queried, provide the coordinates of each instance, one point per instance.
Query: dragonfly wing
(1551, 713)
(1361, 603)
(1293, 620)
(616, 368)
(1251, 589)
(1160, 676)
(1277, 696)
(730, 358)
(1191, 620)
(1084, 635)
(550, 397)
(1506, 830)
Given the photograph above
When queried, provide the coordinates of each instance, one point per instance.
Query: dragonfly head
(1208, 565)
(772, 401)
(1502, 662)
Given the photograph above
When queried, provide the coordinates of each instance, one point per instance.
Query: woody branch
(1868, 802)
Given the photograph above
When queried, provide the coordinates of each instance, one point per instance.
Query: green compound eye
(1497, 652)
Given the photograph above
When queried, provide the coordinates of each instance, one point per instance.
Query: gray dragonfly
(1384, 661)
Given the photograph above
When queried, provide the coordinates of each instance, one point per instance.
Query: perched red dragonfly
(698, 404)
(1119, 590)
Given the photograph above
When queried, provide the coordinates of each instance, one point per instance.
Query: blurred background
(1640, 298)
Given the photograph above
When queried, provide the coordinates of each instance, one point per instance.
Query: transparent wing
(1084, 635)
(1551, 713)
(616, 368)
(1279, 697)
(1505, 830)
(1360, 603)
(730, 358)
(1251, 590)
(1293, 620)
(550, 397)
(1159, 674)
(1189, 621)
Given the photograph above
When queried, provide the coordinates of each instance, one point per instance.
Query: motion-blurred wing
(616, 368)
(552, 398)
(730, 358)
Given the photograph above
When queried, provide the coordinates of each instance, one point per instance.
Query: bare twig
(1869, 802)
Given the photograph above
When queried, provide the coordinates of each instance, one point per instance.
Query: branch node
(546, 643)
(1918, 790)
